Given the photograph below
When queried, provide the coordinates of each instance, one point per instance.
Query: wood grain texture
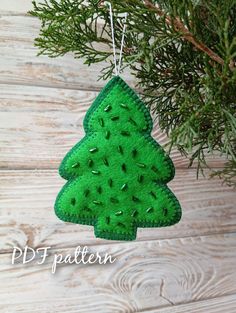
(15, 7)
(145, 275)
(39, 126)
(225, 304)
(20, 64)
(27, 215)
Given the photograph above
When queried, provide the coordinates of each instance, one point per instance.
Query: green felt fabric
(117, 174)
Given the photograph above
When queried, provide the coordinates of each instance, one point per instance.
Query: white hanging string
(122, 42)
(113, 38)
(117, 68)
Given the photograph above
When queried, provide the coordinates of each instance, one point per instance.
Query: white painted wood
(145, 276)
(225, 304)
(27, 215)
(15, 6)
(216, 305)
(20, 64)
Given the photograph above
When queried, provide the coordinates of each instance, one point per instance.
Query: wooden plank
(72, 305)
(14, 7)
(27, 216)
(39, 125)
(145, 275)
(20, 64)
(216, 305)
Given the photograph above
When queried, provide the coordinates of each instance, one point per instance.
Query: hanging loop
(117, 67)
(122, 42)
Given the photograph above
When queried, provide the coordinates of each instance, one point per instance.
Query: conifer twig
(186, 34)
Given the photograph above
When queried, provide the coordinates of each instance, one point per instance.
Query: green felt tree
(117, 174)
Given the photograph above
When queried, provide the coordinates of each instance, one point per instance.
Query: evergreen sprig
(183, 53)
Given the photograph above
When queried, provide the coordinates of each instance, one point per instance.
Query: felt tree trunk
(117, 174)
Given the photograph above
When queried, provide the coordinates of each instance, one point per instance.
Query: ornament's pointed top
(123, 90)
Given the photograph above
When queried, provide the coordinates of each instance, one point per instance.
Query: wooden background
(188, 268)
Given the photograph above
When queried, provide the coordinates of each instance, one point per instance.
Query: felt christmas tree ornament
(117, 174)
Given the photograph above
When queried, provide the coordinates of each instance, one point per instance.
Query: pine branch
(186, 34)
